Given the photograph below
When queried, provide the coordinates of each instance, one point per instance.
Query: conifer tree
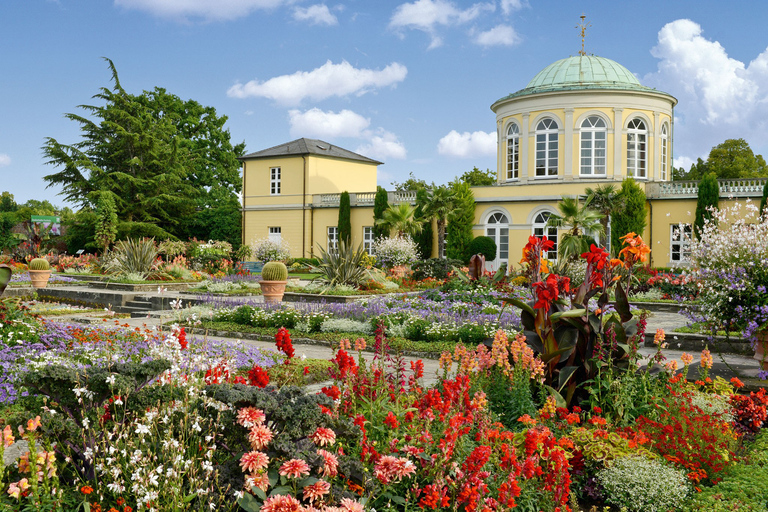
(345, 222)
(764, 200)
(631, 217)
(709, 197)
(461, 220)
(380, 205)
(106, 221)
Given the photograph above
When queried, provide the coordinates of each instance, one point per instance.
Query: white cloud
(316, 15)
(383, 145)
(428, 15)
(324, 82)
(327, 125)
(719, 97)
(684, 162)
(4, 160)
(466, 145)
(219, 10)
(500, 35)
(509, 6)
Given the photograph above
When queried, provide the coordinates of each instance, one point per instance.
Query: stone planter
(273, 290)
(39, 278)
(761, 349)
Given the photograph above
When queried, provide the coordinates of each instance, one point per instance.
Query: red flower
(391, 421)
(258, 377)
(283, 342)
(182, 338)
(546, 292)
(331, 392)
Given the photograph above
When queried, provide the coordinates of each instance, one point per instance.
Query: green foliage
(709, 197)
(401, 219)
(160, 157)
(132, 257)
(412, 183)
(483, 245)
(39, 264)
(439, 204)
(106, 223)
(577, 218)
(345, 222)
(342, 267)
(734, 159)
(437, 268)
(461, 220)
(478, 178)
(380, 205)
(424, 238)
(274, 271)
(642, 484)
(631, 217)
(764, 199)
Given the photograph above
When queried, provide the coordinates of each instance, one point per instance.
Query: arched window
(513, 151)
(636, 148)
(546, 148)
(664, 152)
(497, 228)
(593, 136)
(541, 229)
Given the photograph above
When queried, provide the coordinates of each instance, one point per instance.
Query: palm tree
(606, 199)
(577, 219)
(439, 205)
(401, 219)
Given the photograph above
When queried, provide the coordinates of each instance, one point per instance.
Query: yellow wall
(332, 176)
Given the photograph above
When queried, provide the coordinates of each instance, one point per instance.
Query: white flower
(86, 422)
(207, 466)
(142, 429)
(111, 380)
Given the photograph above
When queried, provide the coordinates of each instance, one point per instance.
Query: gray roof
(300, 147)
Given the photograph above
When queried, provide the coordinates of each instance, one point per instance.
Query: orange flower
(86, 489)
(635, 250)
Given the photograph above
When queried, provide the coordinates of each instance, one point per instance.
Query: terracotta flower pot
(273, 291)
(761, 348)
(39, 278)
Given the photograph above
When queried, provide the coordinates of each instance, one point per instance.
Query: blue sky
(407, 83)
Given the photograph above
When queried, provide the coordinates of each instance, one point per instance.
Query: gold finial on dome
(583, 28)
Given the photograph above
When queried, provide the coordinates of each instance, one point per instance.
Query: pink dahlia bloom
(294, 468)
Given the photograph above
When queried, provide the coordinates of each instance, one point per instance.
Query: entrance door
(497, 228)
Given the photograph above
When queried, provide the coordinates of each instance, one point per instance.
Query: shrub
(707, 202)
(345, 222)
(344, 267)
(264, 249)
(631, 218)
(642, 484)
(393, 252)
(345, 325)
(483, 245)
(461, 220)
(132, 257)
(436, 268)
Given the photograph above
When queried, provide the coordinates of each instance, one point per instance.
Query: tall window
(333, 240)
(274, 181)
(593, 136)
(368, 239)
(546, 148)
(275, 234)
(664, 151)
(680, 242)
(497, 228)
(541, 229)
(636, 148)
(513, 152)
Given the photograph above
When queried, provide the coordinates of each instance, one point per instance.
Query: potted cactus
(39, 272)
(274, 277)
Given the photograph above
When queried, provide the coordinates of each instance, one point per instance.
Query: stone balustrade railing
(365, 198)
(741, 187)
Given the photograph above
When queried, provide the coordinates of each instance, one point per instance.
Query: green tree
(478, 178)
(461, 219)
(345, 221)
(709, 197)
(577, 218)
(631, 217)
(401, 219)
(424, 238)
(106, 223)
(7, 202)
(380, 205)
(607, 200)
(734, 159)
(412, 183)
(439, 205)
(163, 159)
(764, 200)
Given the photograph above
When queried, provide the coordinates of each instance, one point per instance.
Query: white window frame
(368, 239)
(513, 152)
(547, 136)
(333, 240)
(275, 174)
(637, 149)
(540, 228)
(590, 128)
(680, 242)
(664, 152)
(275, 234)
(497, 228)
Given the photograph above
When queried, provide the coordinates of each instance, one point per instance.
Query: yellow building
(581, 122)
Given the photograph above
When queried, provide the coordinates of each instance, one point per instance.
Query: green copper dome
(583, 72)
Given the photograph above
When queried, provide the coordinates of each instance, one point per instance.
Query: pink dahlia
(316, 490)
(281, 503)
(254, 461)
(250, 417)
(259, 437)
(294, 468)
(330, 463)
(323, 436)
